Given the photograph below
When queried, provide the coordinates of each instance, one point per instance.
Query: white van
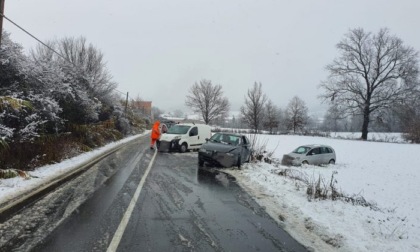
(184, 136)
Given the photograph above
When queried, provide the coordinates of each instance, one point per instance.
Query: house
(144, 108)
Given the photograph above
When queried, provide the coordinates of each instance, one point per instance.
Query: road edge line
(124, 221)
(37, 191)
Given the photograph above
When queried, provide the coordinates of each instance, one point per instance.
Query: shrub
(259, 148)
(412, 131)
(319, 189)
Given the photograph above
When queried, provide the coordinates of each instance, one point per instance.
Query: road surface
(139, 200)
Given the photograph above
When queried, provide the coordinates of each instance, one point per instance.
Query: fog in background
(157, 49)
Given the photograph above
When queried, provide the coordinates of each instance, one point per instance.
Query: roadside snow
(385, 173)
(12, 188)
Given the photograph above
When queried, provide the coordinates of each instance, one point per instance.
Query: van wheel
(183, 148)
(332, 161)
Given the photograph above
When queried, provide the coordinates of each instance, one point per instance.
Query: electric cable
(50, 48)
(47, 46)
(18, 26)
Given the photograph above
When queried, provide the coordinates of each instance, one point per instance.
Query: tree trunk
(365, 126)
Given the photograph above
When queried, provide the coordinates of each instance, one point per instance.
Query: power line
(49, 47)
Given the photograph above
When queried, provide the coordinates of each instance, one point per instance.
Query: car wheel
(200, 162)
(238, 163)
(305, 162)
(332, 161)
(183, 148)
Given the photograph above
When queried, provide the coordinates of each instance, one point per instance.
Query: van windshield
(178, 129)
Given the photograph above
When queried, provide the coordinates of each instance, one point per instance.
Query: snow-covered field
(385, 173)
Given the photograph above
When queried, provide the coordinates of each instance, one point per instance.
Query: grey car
(313, 154)
(225, 149)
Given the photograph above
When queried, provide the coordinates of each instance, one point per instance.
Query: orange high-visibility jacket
(155, 130)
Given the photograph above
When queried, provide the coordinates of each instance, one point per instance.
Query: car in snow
(225, 149)
(314, 154)
(184, 136)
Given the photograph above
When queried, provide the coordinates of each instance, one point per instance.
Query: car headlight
(177, 137)
(297, 158)
(202, 150)
(230, 154)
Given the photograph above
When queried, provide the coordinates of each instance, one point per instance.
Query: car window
(325, 150)
(194, 131)
(216, 137)
(235, 140)
(301, 150)
(315, 151)
(245, 140)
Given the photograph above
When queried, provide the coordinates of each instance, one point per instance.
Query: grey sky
(157, 49)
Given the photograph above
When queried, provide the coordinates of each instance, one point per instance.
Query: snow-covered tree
(20, 85)
(85, 89)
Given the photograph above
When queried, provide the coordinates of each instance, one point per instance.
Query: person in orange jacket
(155, 134)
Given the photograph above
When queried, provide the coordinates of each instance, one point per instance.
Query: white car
(313, 154)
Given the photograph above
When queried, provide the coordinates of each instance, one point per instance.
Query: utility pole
(126, 104)
(1, 17)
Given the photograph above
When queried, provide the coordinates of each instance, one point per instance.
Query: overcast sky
(157, 49)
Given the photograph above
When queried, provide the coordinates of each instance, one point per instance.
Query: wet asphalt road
(180, 208)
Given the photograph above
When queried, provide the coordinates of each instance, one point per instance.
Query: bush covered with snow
(50, 106)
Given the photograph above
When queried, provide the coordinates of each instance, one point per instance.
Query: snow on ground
(385, 173)
(11, 188)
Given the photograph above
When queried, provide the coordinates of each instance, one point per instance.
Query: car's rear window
(325, 150)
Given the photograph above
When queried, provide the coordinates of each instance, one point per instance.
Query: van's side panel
(195, 142)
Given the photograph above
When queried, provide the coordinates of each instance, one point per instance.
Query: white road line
(123, 225)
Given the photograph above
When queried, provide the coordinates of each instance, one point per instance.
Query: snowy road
(180, 208)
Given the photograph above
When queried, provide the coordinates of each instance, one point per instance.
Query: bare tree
(332, 118)
(207, 99)
(178, 113)
(271, 120)
(373, 72)
(253, 111)
(409, 115)
(156, 112)
(296, 114)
